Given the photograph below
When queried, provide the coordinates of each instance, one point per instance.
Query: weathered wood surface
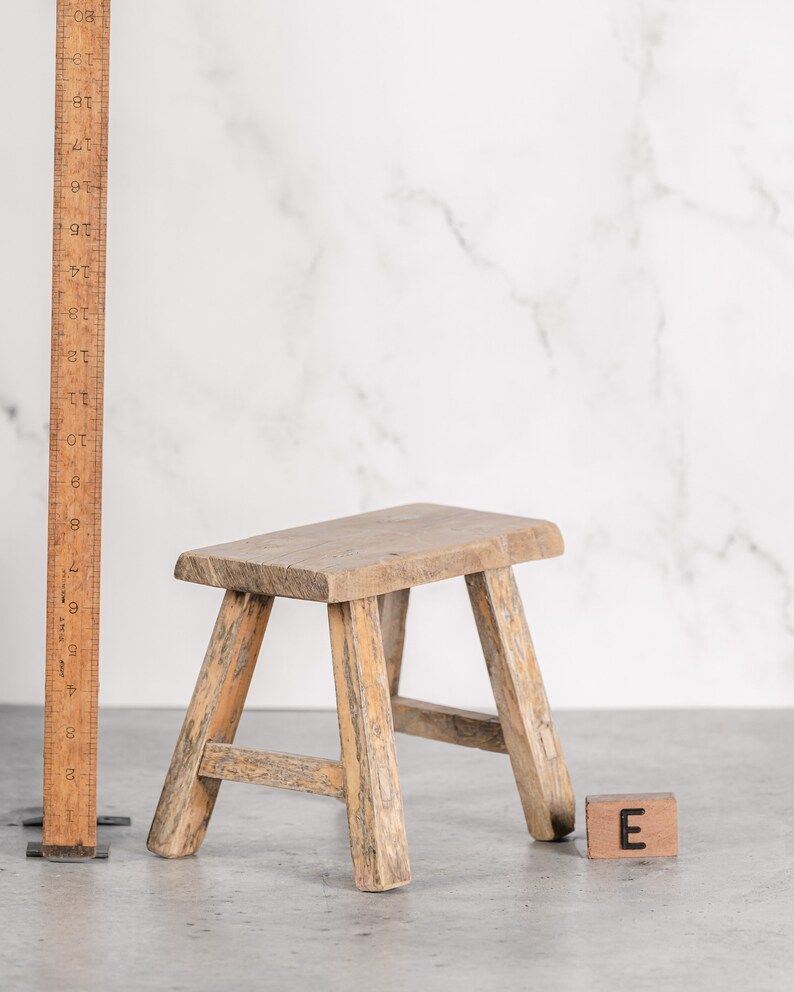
(372, 786)
(445, 723)
(535, 753)
(393, 610)
(371, 553)
(652, 819)
(186, 804)
(299, 772)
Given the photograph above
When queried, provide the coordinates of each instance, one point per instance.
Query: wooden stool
(363, 567)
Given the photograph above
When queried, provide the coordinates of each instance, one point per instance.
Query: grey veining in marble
(524, 257)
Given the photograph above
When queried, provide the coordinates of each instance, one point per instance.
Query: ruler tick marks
(76, 407)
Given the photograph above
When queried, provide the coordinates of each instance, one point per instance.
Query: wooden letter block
(643, 825)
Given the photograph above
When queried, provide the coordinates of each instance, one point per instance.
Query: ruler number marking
(76, 423)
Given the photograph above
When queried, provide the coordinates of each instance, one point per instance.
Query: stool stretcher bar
(447, 724)
(320, 776)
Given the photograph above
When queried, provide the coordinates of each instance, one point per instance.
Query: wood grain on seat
(371, 553)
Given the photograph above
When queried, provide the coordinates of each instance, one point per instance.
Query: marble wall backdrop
(534, 257)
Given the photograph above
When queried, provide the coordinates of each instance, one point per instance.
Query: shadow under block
(639, 825)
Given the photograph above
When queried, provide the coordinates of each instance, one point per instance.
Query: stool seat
(371, 554)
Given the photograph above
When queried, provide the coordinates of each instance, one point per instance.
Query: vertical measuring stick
(76, 404)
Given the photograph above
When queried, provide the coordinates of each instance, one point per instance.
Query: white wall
(537, 258)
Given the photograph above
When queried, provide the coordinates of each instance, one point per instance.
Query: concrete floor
(269, 902)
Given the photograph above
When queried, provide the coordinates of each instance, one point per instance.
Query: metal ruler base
(68, 854)
(73, 855)
(103, 820)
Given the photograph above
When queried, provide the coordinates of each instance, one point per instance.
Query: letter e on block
(641, 825)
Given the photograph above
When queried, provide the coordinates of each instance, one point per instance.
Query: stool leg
(369, 761)
(531, 740)
(187, 801)
(393, 608)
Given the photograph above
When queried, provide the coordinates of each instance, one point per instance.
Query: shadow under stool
(363, 567)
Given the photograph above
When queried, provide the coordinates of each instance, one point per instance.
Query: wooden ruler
(76, 405)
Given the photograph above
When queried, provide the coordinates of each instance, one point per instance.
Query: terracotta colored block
(643, 825)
